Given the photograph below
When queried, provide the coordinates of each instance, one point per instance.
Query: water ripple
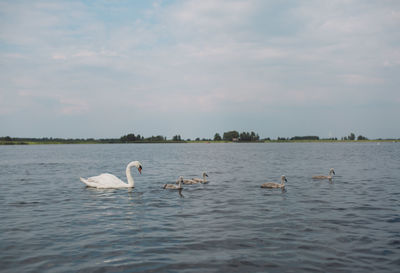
(52, 223)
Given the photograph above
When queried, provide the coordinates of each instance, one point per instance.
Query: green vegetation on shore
(231, 136)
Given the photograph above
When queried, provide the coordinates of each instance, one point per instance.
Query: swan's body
(272, 185)
(186, 181)
(331, 173)
(201, 180)
(110, 181)
(175, 187)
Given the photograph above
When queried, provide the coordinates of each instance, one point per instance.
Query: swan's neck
(131, 182)
(204, 178)
(283, 181)
(180, 183)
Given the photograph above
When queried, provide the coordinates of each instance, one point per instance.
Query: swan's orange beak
(140, 169)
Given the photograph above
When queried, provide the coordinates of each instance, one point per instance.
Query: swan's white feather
(110, 181)
(105, 180)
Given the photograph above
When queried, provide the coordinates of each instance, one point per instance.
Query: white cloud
(208, 14)
(59, 57)
(73, 106)
(197, 56)
(361, 79)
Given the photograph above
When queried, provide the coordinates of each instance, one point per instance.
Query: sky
(103, 69)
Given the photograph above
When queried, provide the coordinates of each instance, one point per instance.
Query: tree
(158, 138)
(6, 138)
(360, 137)
(177, 138)
(217, 137)
(244, 136)
(352, 136)
(254, 136)
(305, 138)
(229, 136)
(128, 138)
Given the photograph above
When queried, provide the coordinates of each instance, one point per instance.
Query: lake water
(50, 222)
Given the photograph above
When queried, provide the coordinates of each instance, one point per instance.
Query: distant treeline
(235, 136)
(230, 136)
(305, 138)
(138, 138)
(227, 136)
(124, 139)
(23, 140)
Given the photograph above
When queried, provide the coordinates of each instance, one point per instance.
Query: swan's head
(137, 164)
(283, 178)
(204, 174)
(332, 171)
(139, 167)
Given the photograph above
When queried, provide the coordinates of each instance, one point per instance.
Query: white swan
(272, 185)
(110, 181)
(175, 187)
(201, 180)
(331, 173)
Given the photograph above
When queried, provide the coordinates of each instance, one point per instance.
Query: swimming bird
(110, 181)
(175, 187)
(331, 173)
(186, 181)
(272, 185)
(201, 180)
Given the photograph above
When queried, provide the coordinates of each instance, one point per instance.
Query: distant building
(235, 139)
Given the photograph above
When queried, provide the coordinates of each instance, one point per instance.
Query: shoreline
(11, 143)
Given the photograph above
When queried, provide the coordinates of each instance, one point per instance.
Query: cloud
(71, 106)
(58, 56)
(202, 57)
(356, 79)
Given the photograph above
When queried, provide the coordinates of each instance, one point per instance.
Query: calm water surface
(50, 222)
